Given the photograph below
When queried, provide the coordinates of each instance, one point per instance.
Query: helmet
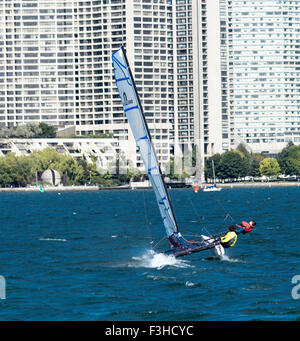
(231, 228)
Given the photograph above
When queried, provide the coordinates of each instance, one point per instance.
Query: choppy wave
(63, 266)
(226, 258)
(54, 239)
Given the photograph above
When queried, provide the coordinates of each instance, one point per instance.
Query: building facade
(38, 62)
(263, 77)
(55, 67)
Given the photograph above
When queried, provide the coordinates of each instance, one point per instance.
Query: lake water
(87, 256)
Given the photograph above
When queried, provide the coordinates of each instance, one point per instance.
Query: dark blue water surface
(87, 256)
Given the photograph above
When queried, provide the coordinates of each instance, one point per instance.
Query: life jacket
(229, 239)
(246, 227)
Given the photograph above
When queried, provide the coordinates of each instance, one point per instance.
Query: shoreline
(127, 187)
(260, 184)
(49, 189)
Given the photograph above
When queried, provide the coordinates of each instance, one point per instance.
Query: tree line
(28, 130)
(240, 163)
(20, 171)
(41, 130)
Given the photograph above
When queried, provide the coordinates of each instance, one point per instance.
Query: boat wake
(151, 259)
(226, 258)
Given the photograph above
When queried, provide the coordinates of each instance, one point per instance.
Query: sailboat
(212, 188)
(179, 246)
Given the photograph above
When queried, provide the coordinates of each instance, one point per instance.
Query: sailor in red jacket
(245, 227)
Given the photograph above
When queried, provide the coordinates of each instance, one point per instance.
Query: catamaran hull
(180, 252)
(206, 244)
(218, 249)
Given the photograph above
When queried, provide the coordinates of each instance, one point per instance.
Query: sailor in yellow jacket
(230, 237)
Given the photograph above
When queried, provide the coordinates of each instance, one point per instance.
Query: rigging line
(147, 217)
(207, 231)
(155, 245)
(199, 218)
(194, 209)
(228, 215)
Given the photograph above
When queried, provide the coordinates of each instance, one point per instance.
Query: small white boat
(212, 188)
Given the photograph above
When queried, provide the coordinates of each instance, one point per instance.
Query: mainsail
(136, 119)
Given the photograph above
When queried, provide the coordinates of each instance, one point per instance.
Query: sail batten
(136, 119)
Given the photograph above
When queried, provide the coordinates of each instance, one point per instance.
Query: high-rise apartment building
(227, 130)
(263, 75)
(173, 49)
(38, 62)
(55, 67)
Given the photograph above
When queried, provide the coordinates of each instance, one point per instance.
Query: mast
(213, 169)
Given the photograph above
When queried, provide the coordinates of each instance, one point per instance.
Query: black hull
(180, 252)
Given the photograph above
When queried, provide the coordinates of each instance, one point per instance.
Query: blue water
(87, 256)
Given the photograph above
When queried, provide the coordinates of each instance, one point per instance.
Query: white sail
(136, 119)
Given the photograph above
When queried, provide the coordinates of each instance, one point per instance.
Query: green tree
(47, 131)
(45, 159)
(74, 172)
(6, 178)
(91, 173)
(21, 170)
(254, 163)
(134, 174)
(170, 169)
(15, 171)
(28, 130)
(49, 159)
(242, 149)
(289, 159)
(232, 166)
(269, 166)
(4, 132)
(208, 170)
(291, 166)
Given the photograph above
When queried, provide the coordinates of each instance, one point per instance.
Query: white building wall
(37, 62)
(265, 72)
(214, 77)
(55, 67)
